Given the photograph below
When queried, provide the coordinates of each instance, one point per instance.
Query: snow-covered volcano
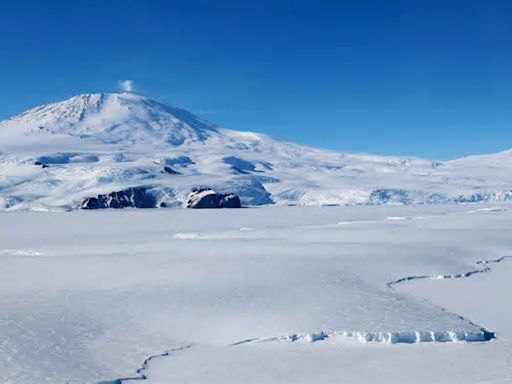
(122, 119)
(56, 155)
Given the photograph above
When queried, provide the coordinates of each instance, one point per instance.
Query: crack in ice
(483, 334)
(407, 337)
(144, 367)
(484, 262)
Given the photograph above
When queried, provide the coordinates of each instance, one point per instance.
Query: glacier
(55, 156)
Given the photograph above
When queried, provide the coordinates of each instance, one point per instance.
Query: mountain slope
(109, 119)
(56, 155)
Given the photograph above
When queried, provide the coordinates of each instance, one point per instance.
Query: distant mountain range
(57, 155)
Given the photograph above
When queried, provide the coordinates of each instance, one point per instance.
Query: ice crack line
(484, 269)
(484, 334)
(388, 337)
(416, 336)
(144, 366)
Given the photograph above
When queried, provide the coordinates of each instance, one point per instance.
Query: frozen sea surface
(274, 294)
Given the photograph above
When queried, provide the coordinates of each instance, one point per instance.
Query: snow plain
(257, 295)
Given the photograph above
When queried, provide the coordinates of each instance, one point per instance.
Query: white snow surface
(99, 143)
(265, 295)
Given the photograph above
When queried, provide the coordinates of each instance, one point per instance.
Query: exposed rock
(136, 197)
(42, 164)
(208, 198)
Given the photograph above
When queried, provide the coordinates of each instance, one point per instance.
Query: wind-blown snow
(56, 155)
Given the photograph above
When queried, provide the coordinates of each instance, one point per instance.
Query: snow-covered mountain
(56, 155)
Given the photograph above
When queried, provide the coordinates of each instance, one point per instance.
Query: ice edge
(399, 337)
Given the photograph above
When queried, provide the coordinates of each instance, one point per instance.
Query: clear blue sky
(426, 78)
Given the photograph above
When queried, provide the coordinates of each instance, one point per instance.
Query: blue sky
(425, 78)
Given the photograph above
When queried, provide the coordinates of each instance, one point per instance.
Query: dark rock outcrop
(208, 198)
(41, 164)
(135, 197)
